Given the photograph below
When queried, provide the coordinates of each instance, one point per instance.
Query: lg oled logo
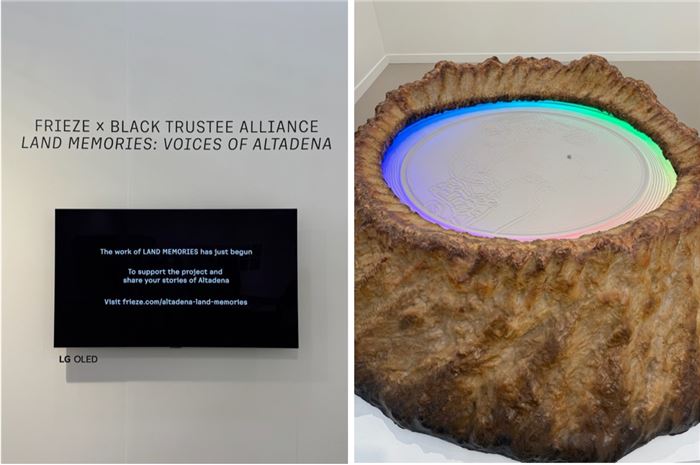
(77, 359)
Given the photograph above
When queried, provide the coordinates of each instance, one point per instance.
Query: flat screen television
(176, 278)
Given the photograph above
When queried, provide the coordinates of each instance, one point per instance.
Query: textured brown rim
(591, 81)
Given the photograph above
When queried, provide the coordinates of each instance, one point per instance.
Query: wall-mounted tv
(176, 278)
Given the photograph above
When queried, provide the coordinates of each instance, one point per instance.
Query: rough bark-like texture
(569, 350)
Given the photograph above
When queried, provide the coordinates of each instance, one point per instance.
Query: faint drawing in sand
(471, 192)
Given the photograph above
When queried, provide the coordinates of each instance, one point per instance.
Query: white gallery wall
(187, 60)
(415, 31)
(369, 46)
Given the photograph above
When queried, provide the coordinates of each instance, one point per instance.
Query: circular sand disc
(527, 170)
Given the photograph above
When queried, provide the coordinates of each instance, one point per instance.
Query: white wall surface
(369, 48)
(174, 60)
(427, 31)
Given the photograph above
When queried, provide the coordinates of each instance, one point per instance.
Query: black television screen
(176, 278)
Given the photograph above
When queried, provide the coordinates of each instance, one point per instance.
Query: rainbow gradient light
(527, 170)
